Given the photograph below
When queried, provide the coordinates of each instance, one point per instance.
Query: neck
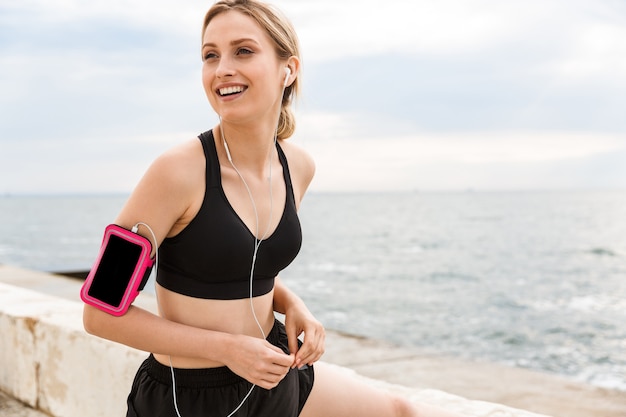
(249, 148)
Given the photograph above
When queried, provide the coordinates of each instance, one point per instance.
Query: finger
(279, 371)
(312, 349)
(270, 381)
(309, 344)
(265, 384)
(273, 376)
(305, 353)
(275, 355)
(285, 361)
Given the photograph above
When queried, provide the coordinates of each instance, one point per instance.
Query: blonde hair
(285, 41)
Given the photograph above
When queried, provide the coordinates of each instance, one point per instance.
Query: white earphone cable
(156, 266)
(257, 244)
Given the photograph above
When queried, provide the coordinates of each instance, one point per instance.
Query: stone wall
(50, 363)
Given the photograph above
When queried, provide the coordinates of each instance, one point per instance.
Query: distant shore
(417, 369)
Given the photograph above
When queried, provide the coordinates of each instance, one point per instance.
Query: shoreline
(412, 368)
(530, 390)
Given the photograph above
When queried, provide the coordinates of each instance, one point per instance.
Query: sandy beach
(519, 388)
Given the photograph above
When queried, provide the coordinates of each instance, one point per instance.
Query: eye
(244, 51)
(209, 55)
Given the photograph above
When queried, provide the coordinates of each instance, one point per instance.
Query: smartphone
(120, 271)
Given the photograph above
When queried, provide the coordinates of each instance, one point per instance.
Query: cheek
(207, 78)
(207, 83)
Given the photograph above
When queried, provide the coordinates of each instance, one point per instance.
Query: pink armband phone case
(120, 271)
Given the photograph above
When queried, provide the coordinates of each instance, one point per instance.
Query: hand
(298, 320)
(258, 361)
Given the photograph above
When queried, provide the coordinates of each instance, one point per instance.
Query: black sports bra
(211, 258)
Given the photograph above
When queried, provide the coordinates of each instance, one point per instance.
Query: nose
(224, 69)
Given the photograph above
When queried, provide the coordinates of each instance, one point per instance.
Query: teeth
(230, 90)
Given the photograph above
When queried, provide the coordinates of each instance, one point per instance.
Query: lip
(230, 85)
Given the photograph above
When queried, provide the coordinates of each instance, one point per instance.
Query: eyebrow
(232, 43)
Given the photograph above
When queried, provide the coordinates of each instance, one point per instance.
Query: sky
(433, 95)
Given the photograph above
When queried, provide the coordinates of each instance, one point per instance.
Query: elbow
(92, 320)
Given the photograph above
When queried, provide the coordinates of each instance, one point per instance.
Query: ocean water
(529, 279)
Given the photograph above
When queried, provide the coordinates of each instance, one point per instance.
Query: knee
(402, 407)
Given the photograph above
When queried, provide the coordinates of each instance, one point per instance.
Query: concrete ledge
(50, 363)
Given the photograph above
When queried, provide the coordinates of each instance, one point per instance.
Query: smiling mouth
(229, 91)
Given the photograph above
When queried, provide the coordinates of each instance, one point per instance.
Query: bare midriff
(228, 316)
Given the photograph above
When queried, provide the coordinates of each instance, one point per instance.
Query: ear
(293, 63)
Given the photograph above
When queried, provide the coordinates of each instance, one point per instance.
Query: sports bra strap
(213, 174)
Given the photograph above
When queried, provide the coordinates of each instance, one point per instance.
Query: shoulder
(187, 154)
(168, 189)
(177, 167)
(301, 167)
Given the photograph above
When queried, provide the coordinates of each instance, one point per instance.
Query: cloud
(162, 15)
(494, 163)
(490, 160)
(74, 73)
(446, 27)
(598, 52)
(487, 92)
(94, 164)
(327, 131)
(501, 90)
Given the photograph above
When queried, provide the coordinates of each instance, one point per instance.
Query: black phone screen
(115, 270)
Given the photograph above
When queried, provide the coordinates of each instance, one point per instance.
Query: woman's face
(241, 74)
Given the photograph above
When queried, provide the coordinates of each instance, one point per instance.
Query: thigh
(337, 393)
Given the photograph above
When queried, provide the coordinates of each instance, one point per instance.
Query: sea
(535, 280)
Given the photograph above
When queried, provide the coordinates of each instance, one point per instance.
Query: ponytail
(286, 120)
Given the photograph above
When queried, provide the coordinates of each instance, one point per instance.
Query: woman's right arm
(146, 331)
(252, 358)
(164, 199)
(167, 198)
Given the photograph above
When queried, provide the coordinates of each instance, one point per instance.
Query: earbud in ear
(287, 74)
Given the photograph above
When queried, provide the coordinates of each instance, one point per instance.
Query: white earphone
(287, 74)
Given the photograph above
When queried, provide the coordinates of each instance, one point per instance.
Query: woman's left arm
(298, 320)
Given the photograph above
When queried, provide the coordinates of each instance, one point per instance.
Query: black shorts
(217, 392)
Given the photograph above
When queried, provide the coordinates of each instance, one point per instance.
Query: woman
(222, 208)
